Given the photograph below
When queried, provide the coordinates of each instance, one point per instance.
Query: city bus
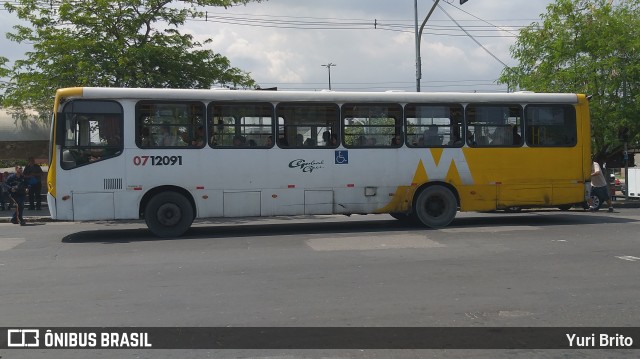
(169, 156)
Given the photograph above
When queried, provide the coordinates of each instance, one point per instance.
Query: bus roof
(328, 96)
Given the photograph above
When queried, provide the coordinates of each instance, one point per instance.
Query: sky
(371, 43)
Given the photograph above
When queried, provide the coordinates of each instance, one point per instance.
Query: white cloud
(275, 41)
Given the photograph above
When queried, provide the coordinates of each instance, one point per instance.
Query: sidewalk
(36, 215)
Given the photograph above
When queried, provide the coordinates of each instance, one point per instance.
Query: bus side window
(241, 125)
(169, 124)
(495, 125)
(372, 125)
(307, 125)
(434, 125)
(551, 125)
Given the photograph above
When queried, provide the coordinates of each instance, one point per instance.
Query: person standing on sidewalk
(33, 174)
(2, 178)
(599, 187)
(16, 186)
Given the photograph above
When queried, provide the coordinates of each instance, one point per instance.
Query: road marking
(629, 258)
(9, 243)
(399, 241)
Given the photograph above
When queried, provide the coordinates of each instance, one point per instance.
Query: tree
(118, 43)
(591, 47)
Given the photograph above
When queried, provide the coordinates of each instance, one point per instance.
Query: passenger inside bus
(431, 137)
(167, 138)
(517, 139)
(455, 140)
(326, 137)
(146, 140)
(198, 138)
(396, 141)
(334, 140)
(239, 141)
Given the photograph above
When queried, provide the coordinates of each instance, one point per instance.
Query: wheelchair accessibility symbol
(342, 157)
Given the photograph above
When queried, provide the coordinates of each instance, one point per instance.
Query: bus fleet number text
(157, 160)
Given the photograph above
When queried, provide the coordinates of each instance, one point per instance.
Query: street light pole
(418, 37)
(328, 66)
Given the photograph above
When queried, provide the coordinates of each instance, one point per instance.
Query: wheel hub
(169, 214)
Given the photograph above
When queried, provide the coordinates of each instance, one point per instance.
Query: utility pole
(328, 66)
(418, 35)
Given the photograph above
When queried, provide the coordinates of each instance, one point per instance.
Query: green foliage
(115, 43)
(590, 47)
(12, 163)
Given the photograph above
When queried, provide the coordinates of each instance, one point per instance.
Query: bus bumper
(51, 203)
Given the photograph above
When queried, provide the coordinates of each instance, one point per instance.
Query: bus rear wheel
(168, 214)
(436, 206)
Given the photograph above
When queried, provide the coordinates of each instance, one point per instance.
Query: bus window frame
(468, 125)
(334, 124)
(238, 125)
(529, 126)
(398, 125)
(460, 121)
(191, 127)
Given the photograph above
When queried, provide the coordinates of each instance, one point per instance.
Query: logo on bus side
(439, 171)
(306, 166)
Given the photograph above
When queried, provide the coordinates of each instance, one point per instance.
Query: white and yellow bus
(169, 156)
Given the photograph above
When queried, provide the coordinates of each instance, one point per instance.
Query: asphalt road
(529, 269)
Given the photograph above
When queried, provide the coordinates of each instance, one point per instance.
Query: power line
(472, 38)
(332, 23)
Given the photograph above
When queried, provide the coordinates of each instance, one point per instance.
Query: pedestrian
(3, 193)
(2, 178)
(16, 186)
(33, 174)
(599, 187)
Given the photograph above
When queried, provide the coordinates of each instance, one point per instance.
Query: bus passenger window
(241, 125)
(169, 124)
(307, 125)
(494, 125)
(434, 125)
(372, 125)
(551, 125)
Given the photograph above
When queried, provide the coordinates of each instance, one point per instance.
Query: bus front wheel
(168, 214)
(436, 206)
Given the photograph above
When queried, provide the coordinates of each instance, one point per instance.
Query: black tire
(404, 218)
(436, 206)
(565, 207)
(168, 214)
